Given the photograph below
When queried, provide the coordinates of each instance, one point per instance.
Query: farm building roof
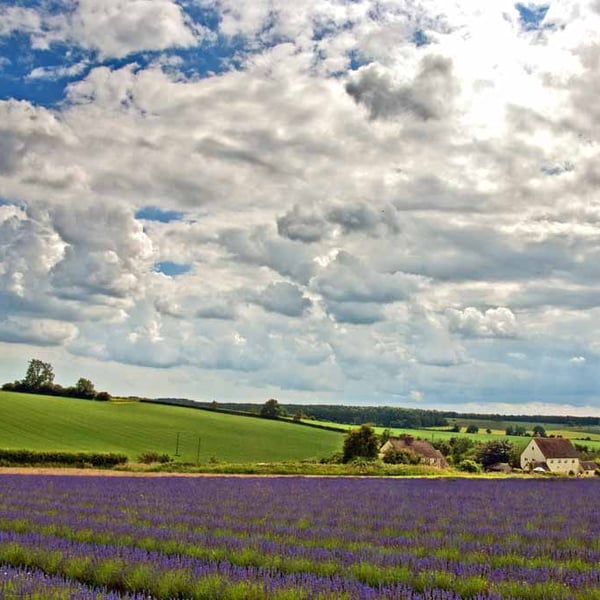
(420, 447)
(588, 465)
(556, 447)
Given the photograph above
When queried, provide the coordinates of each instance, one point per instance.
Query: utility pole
(177, 445)
(198, 452)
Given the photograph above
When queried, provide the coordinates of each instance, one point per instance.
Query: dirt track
(106, 473)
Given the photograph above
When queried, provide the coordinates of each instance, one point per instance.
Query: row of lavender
(292, 538)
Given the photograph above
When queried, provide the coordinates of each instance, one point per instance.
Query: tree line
(39, 379)
(408, 418)
(382, 416)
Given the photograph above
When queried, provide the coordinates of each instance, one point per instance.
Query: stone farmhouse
(553, 455)
(421, 448)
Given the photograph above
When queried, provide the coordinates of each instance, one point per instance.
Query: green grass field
(50, 423)
(435, 434)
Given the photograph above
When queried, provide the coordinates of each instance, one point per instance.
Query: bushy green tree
(472, 429)
(271, 409)
(516, 430)
(460, 448)
(361, 443)
(39, 375)
(539, 431)
(386, 434)
(494, 452)
(84, 388)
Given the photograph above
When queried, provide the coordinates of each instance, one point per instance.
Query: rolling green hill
(53, 423)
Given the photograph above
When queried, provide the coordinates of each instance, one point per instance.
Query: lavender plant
(293, 538)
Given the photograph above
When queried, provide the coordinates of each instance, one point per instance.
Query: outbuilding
(588, 468)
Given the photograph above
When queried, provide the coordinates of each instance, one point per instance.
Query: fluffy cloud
(108, 257)
(347, 278)
(115, 28)
(302, 224)
(39, 332)
(373, 199)
(284, 298)
(41, 27)
(428, 96)
(494, 322)
(119, 27)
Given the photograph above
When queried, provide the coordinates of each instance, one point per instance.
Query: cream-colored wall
(387, 446)
(531, 454)
(563, 465)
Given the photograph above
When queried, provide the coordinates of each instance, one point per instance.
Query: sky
(377, 202)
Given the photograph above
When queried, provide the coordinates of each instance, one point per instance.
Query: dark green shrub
(469, 466)
(153, 457)
(401, 457)
(32, 457)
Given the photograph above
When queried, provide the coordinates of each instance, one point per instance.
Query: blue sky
(320, 201)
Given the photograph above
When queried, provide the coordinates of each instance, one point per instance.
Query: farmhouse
(421, 448)
(555, 455)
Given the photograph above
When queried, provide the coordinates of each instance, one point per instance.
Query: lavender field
(289, 538)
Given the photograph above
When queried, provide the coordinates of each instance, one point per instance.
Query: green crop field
(51, 423)
(435, 434)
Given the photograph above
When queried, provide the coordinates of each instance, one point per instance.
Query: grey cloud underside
(428, 96)
(356, 313)
(284, 298)
(311, 224)
(350, 279)
(424, 227)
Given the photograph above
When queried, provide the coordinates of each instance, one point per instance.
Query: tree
(386, 434)
(39, 375)
(84, 388)
(539, 431)
(460, 448)
(298, 415)
(271, 409)
(361, 443)
(516, 430)
(472, 429)
(491, 453)
(443, 446)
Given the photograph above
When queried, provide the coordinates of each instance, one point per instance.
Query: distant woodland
(385, 416)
